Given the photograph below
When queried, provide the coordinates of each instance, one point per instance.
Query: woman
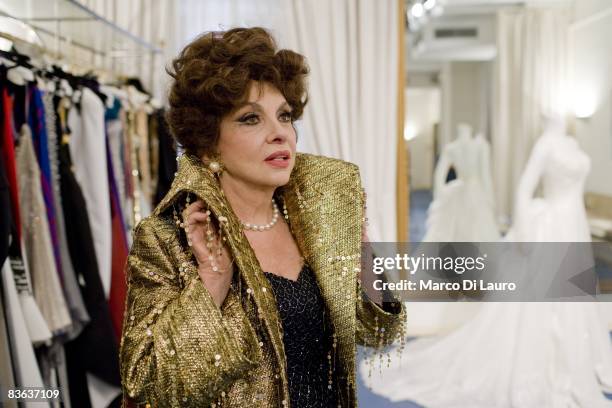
(231, 303)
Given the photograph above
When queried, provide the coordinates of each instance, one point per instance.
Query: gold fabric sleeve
(377, 327)
(178, 347)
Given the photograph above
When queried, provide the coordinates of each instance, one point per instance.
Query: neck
(250, 203)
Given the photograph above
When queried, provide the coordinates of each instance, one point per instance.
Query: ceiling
(431, 52)
(486, 6)
(477, 6)
(454, 3)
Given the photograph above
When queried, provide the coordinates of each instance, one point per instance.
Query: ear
(207, 156)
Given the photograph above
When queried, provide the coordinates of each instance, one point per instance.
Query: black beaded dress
(307, 339)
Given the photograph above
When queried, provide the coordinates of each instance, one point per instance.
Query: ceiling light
(429, 4)
(410, 131)
(417, 10)
(585, 106)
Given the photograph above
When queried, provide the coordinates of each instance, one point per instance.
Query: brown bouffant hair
(212, 76)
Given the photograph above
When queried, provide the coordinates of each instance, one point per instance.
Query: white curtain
(199, 16)
(531, 83)
(351, 48)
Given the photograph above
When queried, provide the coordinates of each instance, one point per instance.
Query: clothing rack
(68, 23)
(95, 160)
(91, 15)
(55, 48)
(64, 13)
(55, 72)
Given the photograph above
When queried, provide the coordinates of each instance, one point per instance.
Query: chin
(279, 179)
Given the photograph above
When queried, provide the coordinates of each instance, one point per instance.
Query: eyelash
(246, 118)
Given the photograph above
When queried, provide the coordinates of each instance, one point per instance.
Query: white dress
(556, 162)
(36, 244)
(27, 373)
(88, 151)
(462, 211)
(469, 194)
(519, 355)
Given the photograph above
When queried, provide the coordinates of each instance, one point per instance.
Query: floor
(419, 201)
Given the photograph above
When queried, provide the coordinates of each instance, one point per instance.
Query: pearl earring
(214, 166)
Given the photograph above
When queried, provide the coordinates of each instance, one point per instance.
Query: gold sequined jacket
(179, 349)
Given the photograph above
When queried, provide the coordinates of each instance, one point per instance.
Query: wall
(422, 113)
(592, 65)
(467, 92)
(592, 71)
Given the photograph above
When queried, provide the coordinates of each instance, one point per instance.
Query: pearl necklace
(264, 227)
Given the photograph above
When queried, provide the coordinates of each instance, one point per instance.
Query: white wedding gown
(558, 163)
(462, 211)
(470, 193)
(518, 355)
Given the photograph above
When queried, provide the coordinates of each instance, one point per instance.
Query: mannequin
(470, 194)
(462, 211)
(520, 355)
(558, 163)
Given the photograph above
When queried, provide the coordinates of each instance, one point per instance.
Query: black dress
(307, 338)
(99, 334)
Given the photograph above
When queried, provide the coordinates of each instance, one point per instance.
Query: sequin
(202, 332)
(303, 314)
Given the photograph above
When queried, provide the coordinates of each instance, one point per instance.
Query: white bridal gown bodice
(518, 355)
(561, 167)
(463, 209)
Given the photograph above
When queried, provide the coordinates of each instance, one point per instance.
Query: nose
(279, 132)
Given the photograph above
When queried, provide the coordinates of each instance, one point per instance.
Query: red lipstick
(279, 159)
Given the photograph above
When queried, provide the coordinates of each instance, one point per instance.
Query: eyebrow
(257, 106)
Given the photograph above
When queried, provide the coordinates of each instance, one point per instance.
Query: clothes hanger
(20, 70)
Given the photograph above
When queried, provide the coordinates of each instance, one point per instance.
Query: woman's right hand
(215, 269)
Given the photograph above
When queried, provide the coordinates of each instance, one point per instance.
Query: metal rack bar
(93, 16)
(115, 27)
(58, 36)
(74, 12)
(51, 19)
